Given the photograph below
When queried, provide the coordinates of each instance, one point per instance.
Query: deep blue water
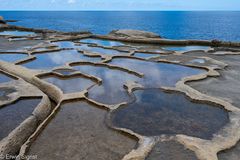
(174, 24)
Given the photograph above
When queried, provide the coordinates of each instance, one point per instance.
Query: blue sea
(169, 24)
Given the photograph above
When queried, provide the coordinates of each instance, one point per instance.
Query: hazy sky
(119, 4)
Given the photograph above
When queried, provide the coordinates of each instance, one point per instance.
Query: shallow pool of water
(157, 74)
(111, 90)
(12, 57)
(85, 47)
(100, 42)
(198, 60)
(50, 60)
(12, 115)
(5, 78)
(145, 55)
(17, 33)
(185, 48)
(70, 85)
(156, 112)
(65, 44)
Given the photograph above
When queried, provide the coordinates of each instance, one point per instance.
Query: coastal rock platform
(129, 95)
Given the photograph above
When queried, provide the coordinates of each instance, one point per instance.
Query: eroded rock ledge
(128, 33)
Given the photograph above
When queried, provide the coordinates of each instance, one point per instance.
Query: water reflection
(12, 57)
(111, 90)
(102, 42)
(198, 60)
(85, 47)
(155, 112)
(185, 48)
(50, 60)
(17, 33)
(157, 74)
(4, 77)
(145, 55)
(70, 85)
(65, 44)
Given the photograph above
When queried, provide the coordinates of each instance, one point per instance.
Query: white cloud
(71, 1)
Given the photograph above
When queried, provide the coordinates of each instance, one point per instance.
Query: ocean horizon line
(119, 10)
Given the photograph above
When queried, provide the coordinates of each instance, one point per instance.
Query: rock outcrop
(133, 34)
(2, 20)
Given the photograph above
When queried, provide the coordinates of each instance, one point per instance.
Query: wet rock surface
(78, 132)
(170, 150)
(6, 45)
(228, 82)
(5, 91)
(2, 21)
(230, 154)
